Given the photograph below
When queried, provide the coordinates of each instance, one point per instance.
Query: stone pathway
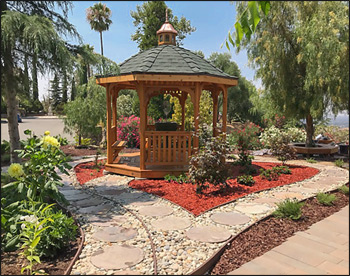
(116, 242)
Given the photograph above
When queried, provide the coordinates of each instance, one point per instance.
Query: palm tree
(99, 18)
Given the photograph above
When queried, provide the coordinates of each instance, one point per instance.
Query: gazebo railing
(168, 147)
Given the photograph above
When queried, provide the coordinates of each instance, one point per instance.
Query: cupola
(166, 34)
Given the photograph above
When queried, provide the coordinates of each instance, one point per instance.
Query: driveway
(38, 124)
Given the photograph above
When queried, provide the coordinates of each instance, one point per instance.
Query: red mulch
(88, 171)
(185, 194)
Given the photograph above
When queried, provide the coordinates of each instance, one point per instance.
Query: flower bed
(185, 194)
(88, 171)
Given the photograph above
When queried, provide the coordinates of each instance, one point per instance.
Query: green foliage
(182, 178)
(289, 209)
(339, 163)
(239, 98)
(60, 231)
(326, 199)
(245, 180)
(344, 189)
(271, 134)
(245, 140)
(282, 170)
(149, 17)
(247, 21)
(84, 114)
(40, 179)
(55, 92)
(280, 147)
(205, 110)
(83, 141)
(311, 160)
(125, 105)
(269, 174)
(293, 45)
(337, 134)
(33, 226)
(208, 164)
(98, 17)
(62, 140)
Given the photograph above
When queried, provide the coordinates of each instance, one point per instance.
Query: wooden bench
(117, 147)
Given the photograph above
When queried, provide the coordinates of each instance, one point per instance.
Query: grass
(310, 160)
(326, 199)
(289, 208)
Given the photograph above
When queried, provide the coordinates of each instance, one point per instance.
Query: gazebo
(165, 69)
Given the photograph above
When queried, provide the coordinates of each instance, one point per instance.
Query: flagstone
(156, 211)
(117, 257)
(251, 208)
(231, 218)
(100, 209)
(210, 234)
(114, 234)
(171, 223)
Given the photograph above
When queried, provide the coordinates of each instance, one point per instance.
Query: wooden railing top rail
(172, 133)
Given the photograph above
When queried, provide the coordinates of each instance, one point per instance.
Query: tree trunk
(309, 131)
(12, 108)
(35, 78)
(101, 43)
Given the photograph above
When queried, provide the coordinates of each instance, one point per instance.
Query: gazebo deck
(132, 168)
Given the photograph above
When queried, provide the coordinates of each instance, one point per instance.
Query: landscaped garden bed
(272, 231)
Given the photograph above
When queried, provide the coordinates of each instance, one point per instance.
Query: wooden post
(183, 102)
(197, 94)
(224, 109)
(143, 121)
(114, 114)
(214, 95)
(109, 125)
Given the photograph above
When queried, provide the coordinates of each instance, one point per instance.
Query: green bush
(182, 178)
(289, 209)
(61, 230)
(339, 163)
(310, 160)
(248, 169)
(245, 180)
(269, 174)
(282, 170)
(208, 164)
(326, 199)
(344, 189)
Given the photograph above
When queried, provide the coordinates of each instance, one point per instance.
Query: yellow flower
(48, 140)
(15, 170)
(47, 133)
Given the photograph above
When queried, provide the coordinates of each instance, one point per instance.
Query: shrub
(245, 140)
(182, 178)
(326, 199)
(208, 164)
(128, 130)
(339, 135)
(282, 170)
(272, 133)
(310, 160)
(62, 140)
(245, 180)
(289, 209)
(344, 189)
(37, 179)
(269, 174)
(339, 163)
(83, 141)
(281, 149)
(248, 169)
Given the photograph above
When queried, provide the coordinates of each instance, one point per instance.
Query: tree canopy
(301, 53)
(98, 17)
(148, 19)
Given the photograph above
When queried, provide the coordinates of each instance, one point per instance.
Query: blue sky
(212, 19)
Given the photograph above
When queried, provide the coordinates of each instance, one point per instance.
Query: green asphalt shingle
(170, 59)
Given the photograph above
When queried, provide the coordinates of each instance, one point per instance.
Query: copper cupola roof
(166, 34)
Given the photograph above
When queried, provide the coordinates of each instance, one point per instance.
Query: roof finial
(166, 15)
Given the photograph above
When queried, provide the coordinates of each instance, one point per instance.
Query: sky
(212, 20)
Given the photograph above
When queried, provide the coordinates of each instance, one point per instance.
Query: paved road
(38, 125)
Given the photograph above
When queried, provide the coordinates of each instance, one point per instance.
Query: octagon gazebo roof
(169, 59)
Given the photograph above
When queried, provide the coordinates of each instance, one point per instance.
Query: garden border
(209, 263)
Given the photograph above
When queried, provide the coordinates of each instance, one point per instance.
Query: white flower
(23, 226)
